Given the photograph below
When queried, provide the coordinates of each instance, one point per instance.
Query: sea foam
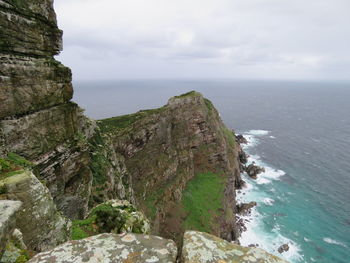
(334, 242)
(256, 232)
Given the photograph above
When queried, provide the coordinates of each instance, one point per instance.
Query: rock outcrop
(37, 119)
(204, 248)
(42, 225)
(253, 170)
(112, 248)
(169, 149)
(8, 211)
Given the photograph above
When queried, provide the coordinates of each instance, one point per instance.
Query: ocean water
(300, 133)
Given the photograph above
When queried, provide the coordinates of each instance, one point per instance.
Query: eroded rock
(112, 248)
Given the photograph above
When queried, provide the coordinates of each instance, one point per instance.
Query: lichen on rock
(112, 248)
(201, 247)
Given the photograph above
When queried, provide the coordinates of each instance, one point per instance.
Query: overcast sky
(253, 39)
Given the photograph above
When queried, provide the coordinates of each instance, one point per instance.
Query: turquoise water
(300, 132)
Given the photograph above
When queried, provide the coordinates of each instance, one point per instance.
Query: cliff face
(184, 165)
(37, 119)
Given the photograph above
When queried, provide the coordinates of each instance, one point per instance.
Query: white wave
(332, 241)
(270, 173)
(258, 132)
(306, 239)
(272, 137)
(269, 241)
(268, 201)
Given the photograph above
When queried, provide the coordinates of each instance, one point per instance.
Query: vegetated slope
(184, 165)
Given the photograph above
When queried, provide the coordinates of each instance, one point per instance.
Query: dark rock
(240, 139)
(283, 248)
(253, 170)
(244, 209)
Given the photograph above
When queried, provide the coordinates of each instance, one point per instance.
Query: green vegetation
(188, 94)
(209, 104)
(122, 122)
(202, 200)
(110, 217)
(12, 164)
(229, 136)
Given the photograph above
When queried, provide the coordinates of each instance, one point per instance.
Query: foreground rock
(109, 248)
(253, 170)
(8, 211)
(42, 226)
(204, 248)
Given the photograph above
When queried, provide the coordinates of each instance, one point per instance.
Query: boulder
(8, 211)
(201, 247)
(283, 248)
(240, 139)
(42, 225)
(253, 170)
(112, 248)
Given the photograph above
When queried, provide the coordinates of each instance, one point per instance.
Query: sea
(298, 130)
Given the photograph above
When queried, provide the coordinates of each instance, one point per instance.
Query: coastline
(254, 231)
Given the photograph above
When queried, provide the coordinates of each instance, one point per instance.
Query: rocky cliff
(179, 164)
(184, 165)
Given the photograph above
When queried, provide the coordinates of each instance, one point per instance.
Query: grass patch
(188, 94)
(202, 200)
(122, 122)
(12, 164)
(82, 228)
(229, 136)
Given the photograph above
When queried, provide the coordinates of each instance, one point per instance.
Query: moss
(18, 160)
(202, 200)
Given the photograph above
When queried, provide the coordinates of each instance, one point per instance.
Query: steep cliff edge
(184, 165)
(179, 164)
(37, 119)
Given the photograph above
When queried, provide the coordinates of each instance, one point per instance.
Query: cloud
(212, 38)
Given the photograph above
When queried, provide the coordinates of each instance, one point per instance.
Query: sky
(191, 39)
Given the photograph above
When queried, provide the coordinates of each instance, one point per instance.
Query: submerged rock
(110, 248)
(201, 247)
